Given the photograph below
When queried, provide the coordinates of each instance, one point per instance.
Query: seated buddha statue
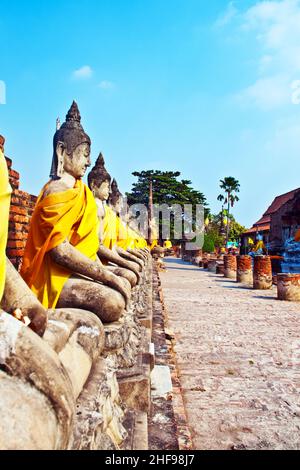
(14, 293)
(110, 236)
(60, 262)
(132, 241)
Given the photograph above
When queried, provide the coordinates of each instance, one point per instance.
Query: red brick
(19, 218)
(17, 235)
(17, 227)
(14, 174)
(12, 252)
(18, 210)
(16, 244)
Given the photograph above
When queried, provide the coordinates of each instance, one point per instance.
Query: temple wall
(21, 209)
(284, 224)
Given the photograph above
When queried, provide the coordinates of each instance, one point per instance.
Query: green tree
(167, 189)
(236, 229)
(230, 186)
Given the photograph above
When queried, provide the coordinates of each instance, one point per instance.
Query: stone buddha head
(99, 180)
(71, 147)
(115, 198)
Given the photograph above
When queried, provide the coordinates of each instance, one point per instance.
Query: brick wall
(21, 209)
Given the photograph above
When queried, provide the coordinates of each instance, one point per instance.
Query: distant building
(278, 223)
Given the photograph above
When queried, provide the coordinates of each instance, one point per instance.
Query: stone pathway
(238, 355)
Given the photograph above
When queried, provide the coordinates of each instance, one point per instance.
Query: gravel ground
(238, 354)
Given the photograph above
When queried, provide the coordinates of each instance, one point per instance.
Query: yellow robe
(71, 215)
(116, 233)
(5, 191)
(167, 244)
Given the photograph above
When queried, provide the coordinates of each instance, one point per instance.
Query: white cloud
(227, 16)
(106, 85)
(83, 73)
(276, 29)
(267, 93)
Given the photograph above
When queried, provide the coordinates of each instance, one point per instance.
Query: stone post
(288, 287)
(220, 268)
(262, 273)
(230, 266)
(212, 265)
(244, 269)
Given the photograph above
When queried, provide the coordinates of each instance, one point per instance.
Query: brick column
(21, 209)
(262, 273)
(244, 269)
(288, 287)
(230, 266)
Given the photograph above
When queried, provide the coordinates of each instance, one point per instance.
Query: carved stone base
(99, 412)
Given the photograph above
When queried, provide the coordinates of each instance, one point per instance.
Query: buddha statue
(136, 245)
(15, 296)
(112, 237)
(60, 263)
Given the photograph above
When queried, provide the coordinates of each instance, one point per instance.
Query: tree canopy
(167, 189)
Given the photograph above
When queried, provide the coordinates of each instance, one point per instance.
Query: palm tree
(230, 186)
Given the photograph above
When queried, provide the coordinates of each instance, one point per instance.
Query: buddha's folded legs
(108, 304)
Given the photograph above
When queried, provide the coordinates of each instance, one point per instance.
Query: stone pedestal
(288, 287)
(244, 270)
(262, 273)
(230, 266)
(204, 263)
(212, 265)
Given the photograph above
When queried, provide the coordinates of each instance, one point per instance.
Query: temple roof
(279, 201)
(264, 223)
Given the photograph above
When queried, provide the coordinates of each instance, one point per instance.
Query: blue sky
(206, 88)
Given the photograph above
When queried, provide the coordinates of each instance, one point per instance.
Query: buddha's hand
(119, 284)
(135, 269)
(38, 319)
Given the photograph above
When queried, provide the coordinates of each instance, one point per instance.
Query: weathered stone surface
(78, 338)
(262, 273)
(230, 266)
(28, 420)
(25, 357)
(244, 270)
(288, 287)
(106, 369)
(99, 414)
(212, 265)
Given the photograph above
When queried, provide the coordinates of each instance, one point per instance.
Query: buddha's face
(75, 164)
(118, 205)
(101, 192)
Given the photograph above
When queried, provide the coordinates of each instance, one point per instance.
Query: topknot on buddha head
(115, 196)
(67, 139)
(99, 179)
